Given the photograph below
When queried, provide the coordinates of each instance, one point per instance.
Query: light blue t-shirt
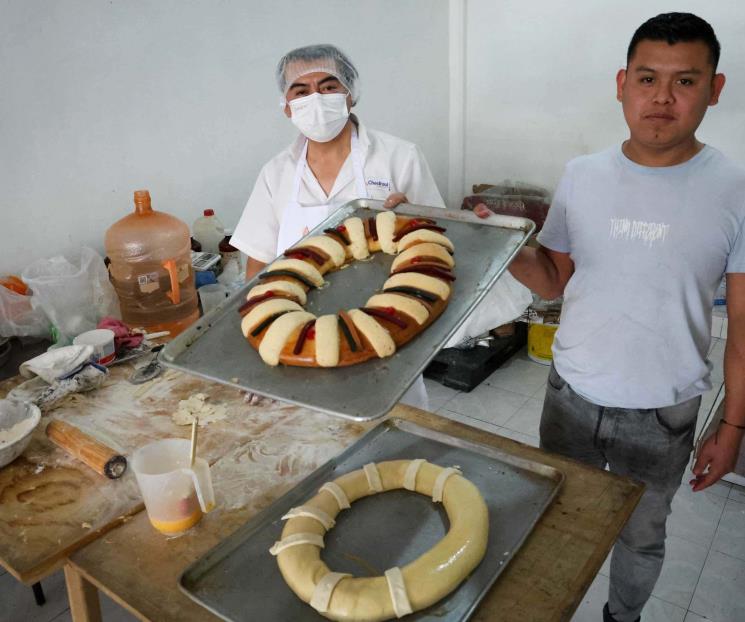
(650, 246)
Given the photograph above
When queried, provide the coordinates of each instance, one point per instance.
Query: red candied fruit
(311, 334)
(341, 228)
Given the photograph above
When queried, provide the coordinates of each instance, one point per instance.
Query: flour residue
(16, 432)
(197, 407)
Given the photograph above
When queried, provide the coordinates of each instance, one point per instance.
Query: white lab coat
(390, 164)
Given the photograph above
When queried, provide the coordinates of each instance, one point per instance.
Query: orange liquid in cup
(183, 516)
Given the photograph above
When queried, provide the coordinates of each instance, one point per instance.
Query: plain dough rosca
(420, 583)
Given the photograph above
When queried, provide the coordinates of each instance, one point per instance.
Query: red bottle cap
(209, 212)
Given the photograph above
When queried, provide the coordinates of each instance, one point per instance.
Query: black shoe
(607, 617)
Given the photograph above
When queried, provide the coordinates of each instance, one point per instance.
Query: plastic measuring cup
(175, 495)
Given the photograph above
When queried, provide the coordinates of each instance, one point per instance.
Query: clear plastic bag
(18, 317)
(74, 292)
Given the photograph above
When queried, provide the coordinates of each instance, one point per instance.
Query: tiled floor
(704, 573)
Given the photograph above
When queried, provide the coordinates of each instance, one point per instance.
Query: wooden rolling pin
(102, 459)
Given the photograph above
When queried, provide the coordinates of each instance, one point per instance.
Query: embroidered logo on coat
(380, 183)
(647, 232)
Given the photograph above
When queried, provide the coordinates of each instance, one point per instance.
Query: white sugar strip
(327, 341)
(296, 540)
(357, 239)
(397, 590)
(439, 486)
(338, 493)
(308, 511)
(373, 477)
(411, 473)
(385, 223)
(324, 590)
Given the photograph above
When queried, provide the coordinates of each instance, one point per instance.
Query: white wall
(540, 81)
(100, 98)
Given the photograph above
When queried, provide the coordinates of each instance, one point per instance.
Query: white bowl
(11, 413)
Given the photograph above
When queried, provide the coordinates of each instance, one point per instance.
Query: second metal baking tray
(239, 580)
(214, 348)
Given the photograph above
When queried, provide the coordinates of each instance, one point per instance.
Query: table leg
(83, 596)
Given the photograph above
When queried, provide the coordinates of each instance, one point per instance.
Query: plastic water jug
(151, 270)
(209, 231)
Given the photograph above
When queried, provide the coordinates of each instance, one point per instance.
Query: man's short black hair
(674, 28)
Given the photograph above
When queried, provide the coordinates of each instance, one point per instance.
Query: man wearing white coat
(334, 160)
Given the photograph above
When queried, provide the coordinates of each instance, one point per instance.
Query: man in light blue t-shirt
(637, 239)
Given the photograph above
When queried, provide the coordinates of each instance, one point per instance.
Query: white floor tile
(657, 610)
(721, 489)
(17, 600)
(540, 392)
(716, 352)
(487, 403)
(683, 564)
(439, 395)
(527, 419)
(695, 515)
(519, 376)
(737, 493)
(527, 439)
(694, 617)
(719, 593)
(474, 423)
(730, 534)
(591, 609)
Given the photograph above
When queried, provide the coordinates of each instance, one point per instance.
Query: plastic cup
(102, 340)
(175, 495)
(212, 295)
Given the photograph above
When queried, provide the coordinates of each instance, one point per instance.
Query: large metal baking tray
(239, 580)
(214, 348)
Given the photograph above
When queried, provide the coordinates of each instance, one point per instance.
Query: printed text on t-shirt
(647, 232)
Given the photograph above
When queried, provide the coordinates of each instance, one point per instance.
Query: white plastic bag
(74, 292)
(504, 302)
(18, 318)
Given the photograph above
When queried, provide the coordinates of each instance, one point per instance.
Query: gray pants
(649, 445)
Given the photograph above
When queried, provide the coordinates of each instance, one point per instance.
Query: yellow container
(540, 340)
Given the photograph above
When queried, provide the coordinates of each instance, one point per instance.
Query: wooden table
(139, 568)
(52, 504)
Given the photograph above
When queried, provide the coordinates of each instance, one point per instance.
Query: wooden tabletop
(140, 568)
(52, 504)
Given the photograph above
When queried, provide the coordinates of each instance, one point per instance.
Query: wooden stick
(102, 459)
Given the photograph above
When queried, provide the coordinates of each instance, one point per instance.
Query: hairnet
(320, 57)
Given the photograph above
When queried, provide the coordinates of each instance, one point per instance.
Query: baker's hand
(717, 456)
(394, 200)
(482, 211)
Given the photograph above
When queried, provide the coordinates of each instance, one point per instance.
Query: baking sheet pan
(239, 580)
(214, 348)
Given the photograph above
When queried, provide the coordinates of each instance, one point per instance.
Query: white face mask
(320, 117)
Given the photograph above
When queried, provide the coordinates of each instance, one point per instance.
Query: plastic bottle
(151, 269)
(208, 231)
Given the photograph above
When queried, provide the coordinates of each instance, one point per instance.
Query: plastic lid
(209, 212)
